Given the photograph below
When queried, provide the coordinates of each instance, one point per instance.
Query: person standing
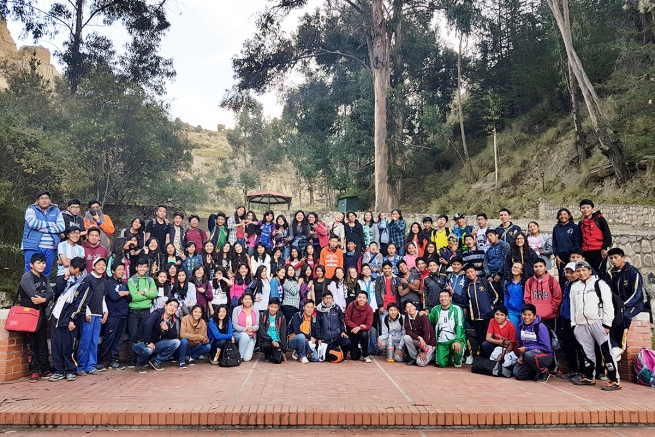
(544, 292)
(96, 218)
(42, 230)
(596, 237)
(160, 228)
(72, 216)
(566, 237)
(507, 231)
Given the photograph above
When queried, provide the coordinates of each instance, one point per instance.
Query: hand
(67, 275)
(205, 340)
(382, 310)
(88, 319)
(496, 278)
(123, 293)
(142, 293)
(475, 232)
(356, 330)
(163, 326)
(344, 335)
(457, 347)
(275, 344)
(603, 253)
(379, 343)
(422, 356)
(232, 339)
(71, 326)
(607, 331)
(37, 300)
(423, 312)
(104, 318)
(151, 346)
(520, 360)
(96, 218)
(522, 350)
(421, 342)
(320, 342)
(558, 261)
(146, 250)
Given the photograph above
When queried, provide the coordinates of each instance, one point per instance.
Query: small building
(348, 203)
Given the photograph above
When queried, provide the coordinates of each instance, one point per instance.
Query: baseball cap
(452, 237)
(459, 215)
(581, 264)
(570, 266)
(95, 261)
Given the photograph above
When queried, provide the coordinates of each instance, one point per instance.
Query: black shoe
(543, 377)
(141, 369)
(267, 359)
(155, 365)
(411, 362)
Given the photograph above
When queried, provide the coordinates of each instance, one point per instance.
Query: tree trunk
(75, 68)
(608, 144)
(580, 149)
(381, 85)
(461, 111)
(396, 150)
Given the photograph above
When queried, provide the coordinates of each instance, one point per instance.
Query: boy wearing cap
(591, 319)
(570, 346)
(596, 236)
(34, 292)
(461, 229)
(66, 251)
(96, 315)
(41, 231)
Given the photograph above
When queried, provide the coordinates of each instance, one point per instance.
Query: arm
(235, 320)
(547, 247)
(460, 329)
(577, 236)
(349, 322)
(607, 234)
(27, 284)
(485, 264)
(433, 316)
(152, 292)
(256, 327)
(557, 295)
(107, 226)
(134, 292)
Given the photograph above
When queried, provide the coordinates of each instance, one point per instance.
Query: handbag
(485, 366)
(22, 319)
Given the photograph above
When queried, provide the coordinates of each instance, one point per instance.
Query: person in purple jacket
(535, 352)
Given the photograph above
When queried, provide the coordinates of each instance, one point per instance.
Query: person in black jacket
(117, 298)
(596, 236)
(354, 231)
(272, 330)
(157, 337)
(566, 237)
(35, 292)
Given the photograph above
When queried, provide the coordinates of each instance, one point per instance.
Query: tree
(248, 180)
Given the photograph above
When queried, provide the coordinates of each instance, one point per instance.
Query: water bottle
(390, 350)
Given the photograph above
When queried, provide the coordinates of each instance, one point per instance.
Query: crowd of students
(424, 292)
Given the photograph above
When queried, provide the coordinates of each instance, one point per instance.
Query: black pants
(135, 320)
(596, 260)
(571, 348)
(618, 333)
(62, 343)
(216, 345)
(267, 347)
(361, 338)
(112, 340)
(487, 349)
(342, 342)
(288, 311)
(37, 343)
(480, 327)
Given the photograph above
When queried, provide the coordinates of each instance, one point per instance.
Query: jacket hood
(51, 207)
(594, 216)
(323, 308)
(531, 326)
(87, 245)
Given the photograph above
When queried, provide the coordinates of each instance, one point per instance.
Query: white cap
(570, 266)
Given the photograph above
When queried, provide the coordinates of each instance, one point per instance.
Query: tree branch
(321, 52)
(357, 8)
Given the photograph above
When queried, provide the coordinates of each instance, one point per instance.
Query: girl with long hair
(281, 238)
(236, 226)
(224, 258)
(291, 300)
(513, 288)
(416, 236)
(351, 285)
(242, 278)
(299, 231)
(397, 228)
(369, 226)
(156, 259)
(184, 292)
(118, 256)
(192, 258)
(209, 258)
(266, 231)
(260, 258)
(172, 256)
(204, 292)
(163, 286)
(295, 260)
(239, 256)
(338, 288)
(277, 289)
(219, 331)
(321, 284)
(520, 252)
(220, 288)
(260, 288)
(252, 232)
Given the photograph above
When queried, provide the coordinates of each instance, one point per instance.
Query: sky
(203, 38)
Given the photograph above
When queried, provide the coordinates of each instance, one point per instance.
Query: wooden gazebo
(269, 198)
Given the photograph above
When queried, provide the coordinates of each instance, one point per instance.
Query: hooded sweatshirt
(91, 253)
(545, 294)
(356, 316)
(533, 340)
(566, 237)
(586, 308)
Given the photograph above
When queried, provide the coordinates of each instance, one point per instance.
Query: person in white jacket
(591, 319)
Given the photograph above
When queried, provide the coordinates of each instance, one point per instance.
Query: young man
(448, 320)
(41, 231)
(501, 333)
(535, 351)
(118, 299)
(461, 229)
(194, 233)
(440, 235)
(456, 282)
(481, 297)
(304, 330)
(218, 232)
(591, 320)
(273, 330)
(160, 228)
(393, 331)
(543, 291)
(410, 284)
(177, 234)
(331, 327)
(387, 289)
(419, 337)
(67, 316)
(66, 251)
(480, 232)
(143, 291)
(432, 285)
(472, 255)
(331, 257)
(34, 292)
(352, 258)
(427, 228)
(625, 281)
(507, 231)
(157, 337)
(373, 258)
(596, 236)
(96, 218)
(96, 315)
(359, 321)
(93, 248)
(495, 257)
(72, 216)
(448, 252)
(575, 357)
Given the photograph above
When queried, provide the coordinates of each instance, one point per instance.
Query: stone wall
(629, 215)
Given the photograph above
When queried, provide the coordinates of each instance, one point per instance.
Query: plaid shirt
(397, 232)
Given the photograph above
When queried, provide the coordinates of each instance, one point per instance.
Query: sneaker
(155, 365)
(46, 374)
(141, 369)
(115, 365)
(267, 359)
(131, 364)
(569, 375)
(183, 365)
(617, 351)
(294, 355)
(70, 377)
(457, 365)
(214, 362)
(367, 360)
(304, 360)
(56, 377)
(200, 358)
(577, 377)
(81, 373)
(543, 377)
(603, 377)
(469, 360)
(584, 381)
(101, 368)
(93, 372)
(192, 362)
(34, 377)
(411, 362)
(611, 386)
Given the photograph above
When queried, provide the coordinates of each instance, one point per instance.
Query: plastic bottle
(390, 350)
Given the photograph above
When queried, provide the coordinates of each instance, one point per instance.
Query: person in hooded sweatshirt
(117, 298)
(92, 248)
(96, 218)
(535, 351)
(544, 292)
(596, 236)
(393, 330)
(72, 218)
(359, 321)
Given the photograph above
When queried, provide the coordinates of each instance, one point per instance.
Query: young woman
(156, 259)
(520, 252)
(133, 253)
(209, 259)
(240, 282)
(299, 231)
(117, 255)
(338, 230)
(194, 339)
(566, 237)
(220, 288)
(252, 232)
(260, 257)
(417, 237)
(219, 331)
(320, 284)
(307, 284)
(411, 255)
(295, 260)
(192, 258)
(266, 231)
(318, 232)
(184, 292)
(239, 256)
(354, 231)
(136, 229)
(397, 228)
(367, 284)
(351, 284)
(204, 292)
(277, 283)
(513, 291)
(171, 272)
(542, 245)
(370, 229)
(431, 253)
(224, 258)
(338, 288)
(163, 286)
(277, 260)
(281, 236)
(291, 300)
(245, 324)
(392, 257)
(383, 232)
(260, 288)
(171, 255)
(236, 226)
(311, 256)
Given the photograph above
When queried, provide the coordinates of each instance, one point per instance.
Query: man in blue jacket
(331, 325)
(117, 298)
(494, 259)
(158, 337)
(41, 231)
(566, 237)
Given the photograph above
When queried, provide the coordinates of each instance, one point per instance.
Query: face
(177, 220)
(222, 313)
(402, 268)
(411, 249)
(264, 273)
(281, 274)
(170, 249)
(119, 271)
(93, 237)
(153, 245)
(250, 216)
(161, 213)
(500, 317)
(410, 309)
(333, 243)
(218, 274)
(366, 271)
(520, 240)
(368, 217)
(431, 248)
(311, 219)
(472, 274)
(238, 248)
(193, 222)
(352, 272)
(433, 267)
(300, 217)
(309, 308)
(243, 270)
(391, 250)
(196, 313)
(171, 308)
(482, 222)
(291, 272)
(575, 257)
(142, 269)
(563, 217)
(533, 228)
(241, 211)
(339, 217)
(540, 269)
(453, 245)
(517, 269)
(191, 248)
(528, 317)
(162, 277)
(421, 266)
(220, 221)
(351, 246)
(427, 225)
(247, 300)
(181, 276)
(226, 247)
(273, 308)
(320, 273)
(362, 300)
(617, 261)
(445, 299)
(373, 248)
(492, 238)
(294, 253)
(395, 215)
(308, 272)
(351, 217)
(571, 275)
(38, 266)
(327, 300)
(200, 273)
(461, 222)
(136, 224)
(94, 206)
(74, 236)
(387, 270)
(470, 242)
(280, 221)
(100, 268)
(172, 271)
(457, 267)
(415, 229)
(441, 222)
(583, 273)
(586, 210)
(310, 250)
(504, 216)
(209, 247)
(338, 273)
(393, 313)
(268, 217)
(74, 209)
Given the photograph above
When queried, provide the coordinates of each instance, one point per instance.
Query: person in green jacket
(448, 320)
(143, 291)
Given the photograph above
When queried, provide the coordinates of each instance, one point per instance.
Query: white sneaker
(617, 351)
(367, 359)
(294, 355)
(469, 360)
(304, 360)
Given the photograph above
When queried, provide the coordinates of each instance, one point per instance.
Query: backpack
(554, 339)
(230, 357)
(619, 306)
(644, 364)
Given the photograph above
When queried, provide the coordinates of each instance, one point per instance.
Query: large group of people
(424, 292)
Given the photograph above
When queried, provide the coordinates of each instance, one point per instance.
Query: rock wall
(629, 215)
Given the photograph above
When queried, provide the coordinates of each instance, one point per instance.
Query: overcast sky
(204, 36)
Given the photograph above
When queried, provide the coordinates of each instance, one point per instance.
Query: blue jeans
(299, 343)
(286, 253)
(194, 352)
(87, 351)
(163, 350)
(246, 345)
(515, 318)
(49, 259)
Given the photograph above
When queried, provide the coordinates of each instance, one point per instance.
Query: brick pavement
(317, 394)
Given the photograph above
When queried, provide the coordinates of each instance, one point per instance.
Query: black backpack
(619, 306)
(230, 357)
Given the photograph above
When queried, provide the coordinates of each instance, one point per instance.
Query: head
(519, 241)
(351, 216)
(583, 270)
(138, 224)
(161, 212)
(190, 248)
(238, 248)
(309, 307)
(393, 310)
(366, 270)
(373, 247)
(194, 221)
(181, 276)
(445, 298)
(38, 263)
(277, 253)
(411, 249)
(334, 242)
(528, 313)
(162, 276)
(94, 205)
(368, 217)
(500, 314)
(221, 312)
(178, 218)
(421, 265)
(352, 273)
(517, 270)
(299, 216)
(93, 235)
(74, 206)
(327, 298)
(586, 208)
(43, 199)
(262, 272)
(539, 266)
(469, 241)
(221, 219)
(460, 220)
(570, 272)
(564, 216)
(295, 253)
(457, 264)
(260, 248)
(196, 312)
(492, 236)
(291, 272)
(387, 269)
(273, 306)
(208, 247)
(100, 266)
(240, 212)
(281, 273)
(171, 307)
(227, 247)
(339, 274)
(362, 298)
(410, 308)
(433, 266)
(453, 242)
(117, 271)
(243, 269)
(351, 246)
(533, 228)
(396, 214)
(246, 300)
(199, 272)
(481, 220)
(442, 221)
(402, 267)
(391, 249)
(471, 272)
(77, 266)
(141, 267)
(281, 221)
(153, 245)
(171, 269)
(431, 248)
(415, 228)
(617, 257)
(576, 255)
(170, 249)
(339, 217)
(319, 270)
(505, 216)
(269, 216)
(72, 234)
(427, 223)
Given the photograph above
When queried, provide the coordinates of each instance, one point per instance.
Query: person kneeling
(158, 337)
(304, 332)
(194, 341)
(359, 320)
(273, 333)
(450, 331)
(419, 340)
(535, 351)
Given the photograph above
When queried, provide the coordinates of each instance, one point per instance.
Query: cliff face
(13, 59)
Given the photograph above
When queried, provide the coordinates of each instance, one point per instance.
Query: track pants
(589, 336)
